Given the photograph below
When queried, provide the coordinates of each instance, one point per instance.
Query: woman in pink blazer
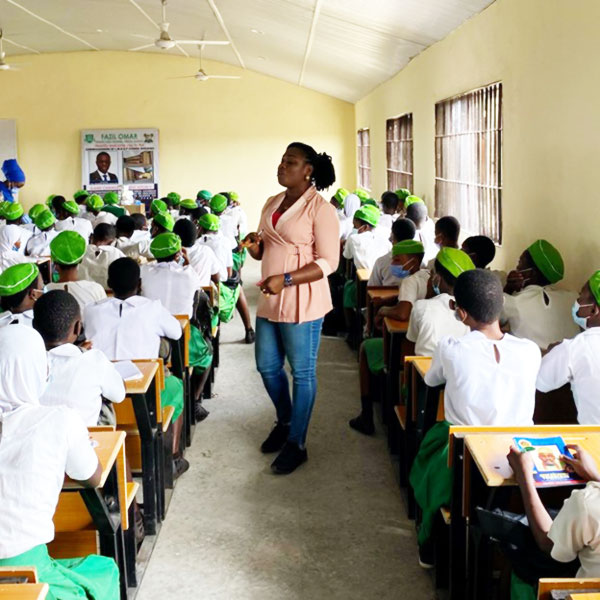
(298, 244)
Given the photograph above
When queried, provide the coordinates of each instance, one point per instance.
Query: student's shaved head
(479, 293)
(403, 229)
(481, 249)
(124, 276)
(417, 213)
(449, 228)
(54, 315)
(104, 232)
(187, 231)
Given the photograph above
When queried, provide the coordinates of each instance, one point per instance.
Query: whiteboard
(8, 139)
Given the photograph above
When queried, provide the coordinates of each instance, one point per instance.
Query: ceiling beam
(51, 24)
(311, 37)
(221, 22)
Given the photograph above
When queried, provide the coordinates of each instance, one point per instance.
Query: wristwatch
(287, 280)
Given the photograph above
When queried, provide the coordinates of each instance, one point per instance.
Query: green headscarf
(94, 202)
(17, 278)
(45, 220)
(340, 196)
(209, 222)
(67, 248)
(13, 211)
(80, 194)
(35, 210)
(408, 247)
(548, 260)
(411, 200)
(203, 195)
(218, 203)
(455, 261)
(188, 204)
(111, 198)
(165, 220)
(71, 207)
(165, 244)
(174, 197)
(362, 194)
(158, 206)
(368, 213)
(402, 193)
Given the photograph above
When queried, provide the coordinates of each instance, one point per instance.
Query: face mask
(15, 194)
(15, 248)
(354, 231)
(181, 261)
(399, 271)
(580, 321)
(436, 289)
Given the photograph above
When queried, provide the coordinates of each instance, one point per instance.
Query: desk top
(395, 326)
(585, 596)
(489, 450)
(23, 591)
(363, 274)
(382, 292)
(140, 386)
(184, 321)
(422, 365)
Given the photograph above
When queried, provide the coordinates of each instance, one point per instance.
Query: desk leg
(458, 526)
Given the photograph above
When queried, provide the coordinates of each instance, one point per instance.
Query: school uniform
(139, 235)
(205, 262)
(380, 273)
(85, 292)
(82, 226)
(79, 380)
(365, 248)
(430, 321)
(540, 314)
(414, 287)
(219, 245)
(228, 227)
(95, 263)
(104, 217)
(39, 243)
(576, 361)
(9, 318)
(426, 235)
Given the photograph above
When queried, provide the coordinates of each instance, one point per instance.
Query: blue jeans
(299, 342)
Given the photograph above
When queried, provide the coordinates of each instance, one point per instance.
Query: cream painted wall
(547, 55)
(218, 135)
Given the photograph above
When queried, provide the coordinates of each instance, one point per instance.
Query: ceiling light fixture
(257, 31)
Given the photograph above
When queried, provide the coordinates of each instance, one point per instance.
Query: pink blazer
(307, 232)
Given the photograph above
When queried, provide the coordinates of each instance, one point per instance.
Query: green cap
(218, 203)
(362, 194)
(369, 201)
(454, 261)
(49, 199)
(158, 206)
(548, 260)
(44, 220)
(35, 210)
(71, 206)
(111, 198)
(368, 213)
(94, 202)
(189, 204)
(402, 193)
(340, 196)
(594, 283)
(17, 278)
(209, 222)
(80, 194)
(411, 200)
(13, 211)
(174, 197)
(203, 195)
(408, 247)
(118, 211)
(3, 207)
(165, 219)
(165, 244)
(235, 197)
(67, 248)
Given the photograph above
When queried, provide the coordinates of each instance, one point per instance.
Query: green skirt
(227, 300)
(430, 477)
(519, 590)
(239, 258)
(373, 349)
(200, 351)
(172, 395)
(350, 296)
(91, 578)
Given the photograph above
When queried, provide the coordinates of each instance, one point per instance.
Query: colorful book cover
(548, 468)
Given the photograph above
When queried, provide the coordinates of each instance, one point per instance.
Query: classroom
(368, 369)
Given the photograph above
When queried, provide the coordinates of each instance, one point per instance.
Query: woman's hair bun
(323, 175)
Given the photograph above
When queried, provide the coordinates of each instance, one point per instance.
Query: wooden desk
(375, 293)
(578, 587)
(141, 386)
(422, 364)
(585, 596)
(180, 366)
(23, 591)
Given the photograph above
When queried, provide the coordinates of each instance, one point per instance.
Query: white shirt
(139, 235)
(95, 263)
(576, 530)
(365, 248)
(39, 243)
(380, 273)
(111, 324)
(39, 445)
(577, 362)
(24, 318)
(204, 261)
(172, 284)
(104, 217)
(229, 228)
(221, 248)
(430, 321)
(384, 226)
(530, 317)
(481, 391)
(414, 287)
(82, 226)
(79, 380)
(426, 235)
(85, 292)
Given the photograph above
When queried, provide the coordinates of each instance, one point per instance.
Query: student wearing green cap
(80, 196)
(14, 214)
(417, 213)
(93, 205)
(33, 212)
(490, 380)
(158, 206)
(203, 197)
(227, 221)
(381, 275)
(577, 361)
(20, 286)
(337, 201)
(389, 209)
(362, 194)
(67, 250)
(11, 250)
(187, 208)
(39, 243)
(67, 218)
(533, 307)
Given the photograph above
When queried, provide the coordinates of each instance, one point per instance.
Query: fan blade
(203, 42)
(184, 77)
(223, 77)
(141, 47)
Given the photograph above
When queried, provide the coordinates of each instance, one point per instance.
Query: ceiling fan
(166, 42)
(4, 66)
(201, 74)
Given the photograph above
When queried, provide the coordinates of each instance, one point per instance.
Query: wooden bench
(22, 574)
(575, 587)
(23, 591)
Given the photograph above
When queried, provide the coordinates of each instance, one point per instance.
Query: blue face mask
(436, 289)
(580, 321)
(399, 271)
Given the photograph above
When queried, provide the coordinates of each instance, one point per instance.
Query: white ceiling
(355, 44)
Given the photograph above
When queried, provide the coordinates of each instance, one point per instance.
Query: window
(364, 159)
(399, 150)
(468, 160)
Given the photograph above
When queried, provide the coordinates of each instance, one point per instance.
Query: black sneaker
(180, 466)
(200, 412)
(250, 336)
(426, 555)
(289, 459)
(361, 424)
(276, 439)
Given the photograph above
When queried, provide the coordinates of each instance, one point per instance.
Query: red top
(276, 216)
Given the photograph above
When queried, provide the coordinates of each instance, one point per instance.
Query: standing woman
(298, 243)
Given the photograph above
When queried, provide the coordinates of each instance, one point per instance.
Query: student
(76, 378)
(20, 286)
(533, 308)
(174, 200)
(33, 212)
(67, 250)
(200, 256)
(447, 232)
(14, 214)
(93, 205)
(80, 197)
(389, 207)
(39, 243)
(187, 208)
(163, 222)
(209, 235)
(381, 274)
(490, 380)
(67, 212)
(577, 361)
(141, 228)
(482, 251)
(337, 201)
(203, 198)
(111, 322)
(363, 247)
(402, 195)
(227, 222)
(351, 205)
(111, 210)
(417, 213)
(39, 445)
(158, 206)
(432, 319)
(236, 214)
(10, 246)
(99, 254)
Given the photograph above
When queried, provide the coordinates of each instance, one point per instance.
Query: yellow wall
(546, 53)
(218, 135)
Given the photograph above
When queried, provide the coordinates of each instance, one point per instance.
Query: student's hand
(582, 463)
(522, 465)
(186, 259)
(514, 282)
(381, 314)
(87, 345)
(272, 285)
(251, 240)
